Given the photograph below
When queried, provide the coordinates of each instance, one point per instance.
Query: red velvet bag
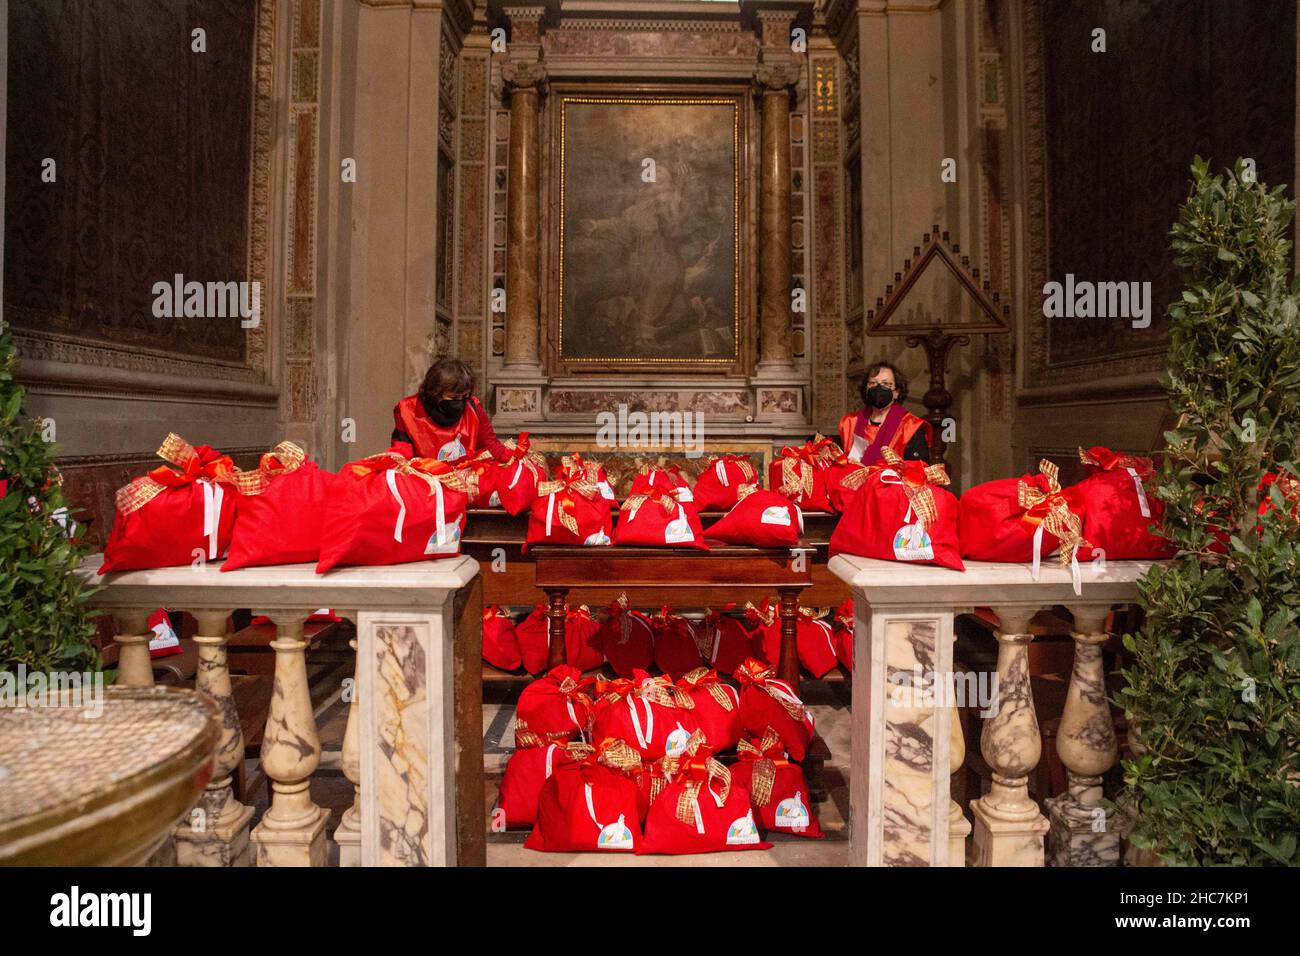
(569, 510)
(902, 514)
(778, 790)
(500, 642)
(582, 641)
(1022, 520)
(591, 804)
(816, 643)
(719, 482)
(768, 702)
(390, 510)
(554, 708)
(650, 478)
(765, 631)
(844, 479)
(700, 809)
(165, 641)
(484, 469)
(653, 715)
(723, 641)
(659, 519)
(1120, 518)
(575, 468)
(844, 635)
(169, 518)
(627, 639)
(763, 519)
(518, 479)
(527, 771)
(677, 649)
(281, 510)
(534, 636)
(799, 473)
(717, 708)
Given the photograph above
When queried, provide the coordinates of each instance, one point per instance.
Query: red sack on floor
(717, 708)
(768, 702)
(168, 517)
(575, 468)
(569, 510)
(677, 650)
(844, 635)
(500, 642)
(765, 631)
(719, 482)
(554, 708)
(627, 639)
(902, 514)
(390, 510)
(816, 643)
(659, 519)
(668, 478)
(778, 790)
(582, 641)
(654, 716)
(700, 809)
(534, 636)
(1121, 518)
(517, 479)
(1022, 520)
(281, 510)
(723, 641)
(762, 519)
(527, 771)
(590, 804)
(799, 473)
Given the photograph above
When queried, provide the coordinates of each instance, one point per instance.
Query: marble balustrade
(907, 738)
(400, 748)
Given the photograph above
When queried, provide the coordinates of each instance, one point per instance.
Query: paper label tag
(164, 637)
(677, 741)
(683, 494)
(792, 813)
(678, 530)
(616, 836)
(912, 543)
(605, 490)
(776, 514)
(494, 500)
(742, 831)
(597, 538)
(445, 540)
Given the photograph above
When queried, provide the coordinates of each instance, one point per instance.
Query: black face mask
(446, 411)
(878, 396)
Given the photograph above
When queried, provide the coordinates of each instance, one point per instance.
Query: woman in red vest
(443, 419)
(883, 420)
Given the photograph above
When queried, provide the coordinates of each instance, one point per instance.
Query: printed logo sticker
(912, 543)
(792, 813)
(444, 541)
(495, 500)
(742, 831)
(605, 490)
(677, 531)
(597, 538)
(616, 836)
(776, 514)
(677, 741)
(451, 451)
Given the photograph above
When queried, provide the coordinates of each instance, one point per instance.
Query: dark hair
(900, 380)
(446, 375)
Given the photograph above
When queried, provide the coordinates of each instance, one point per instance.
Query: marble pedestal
(1082, 834)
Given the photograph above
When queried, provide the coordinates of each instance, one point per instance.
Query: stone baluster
(134, 669)
(1083, 830)
(292, 831)
(958, 825)
(348, 833)
(216, 833)
(1009, 827)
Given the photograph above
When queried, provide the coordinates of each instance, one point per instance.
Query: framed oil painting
(649, 260)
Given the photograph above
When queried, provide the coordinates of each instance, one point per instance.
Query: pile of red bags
(723, 641)
(777, 787)
(814, 637)
(626, 639)
(500, 641)
(762, 519)
(554, 708)
(280, 516)
(654, 715)
(677, 647)
(800, 473)
(719, 482)
(1121, 518)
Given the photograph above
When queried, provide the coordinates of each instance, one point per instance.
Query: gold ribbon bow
(192, 463)
(766, 614)
(757, 674)
(917, 478)
(707, 678)
(564, 488)
(527, 737)
(664, 499)
(284, 458)
(1051, 510)
(745, 490)
(1107, 460)
(764, 774)
(429, 470)
(699, 773)
(520, 452)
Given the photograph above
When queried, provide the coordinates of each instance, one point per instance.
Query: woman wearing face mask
(443, 419)
(883, 420)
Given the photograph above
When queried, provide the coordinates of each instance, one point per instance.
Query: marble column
(525, 82)
(216, 833)
(1083, 824)
(348, 833)
(775, 83)
(1009, 827)
(958, 826)
(134, 669)
(292, 831)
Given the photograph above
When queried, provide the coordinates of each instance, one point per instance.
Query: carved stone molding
(778, 76)
(524, 74)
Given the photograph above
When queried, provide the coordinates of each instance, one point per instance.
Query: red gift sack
(902, 514)
(534, 636)
(765, 631)
(799, 473)
(653, 715)
(500, 642)
(778, 790)
(719, 482)
(389, 510)
(526, 773)
(723, 641)
(816, 642)
(165, 641)
(582, 640)
(668, 478)
(167, 517)
(1023, 520)
(575, 468)
(1121, 518)
(515, 488)
(590, 804)
(768, 702)
(695, 807)
(627, 639)
(844, 635)
(485, 470)
(658, 518)
(569, 510)
(280, 517)
(677, 648)
(717, 708)
(554, 708)
(762, 519)
(845, 479)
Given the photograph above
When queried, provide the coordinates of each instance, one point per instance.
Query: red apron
(432, 440)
